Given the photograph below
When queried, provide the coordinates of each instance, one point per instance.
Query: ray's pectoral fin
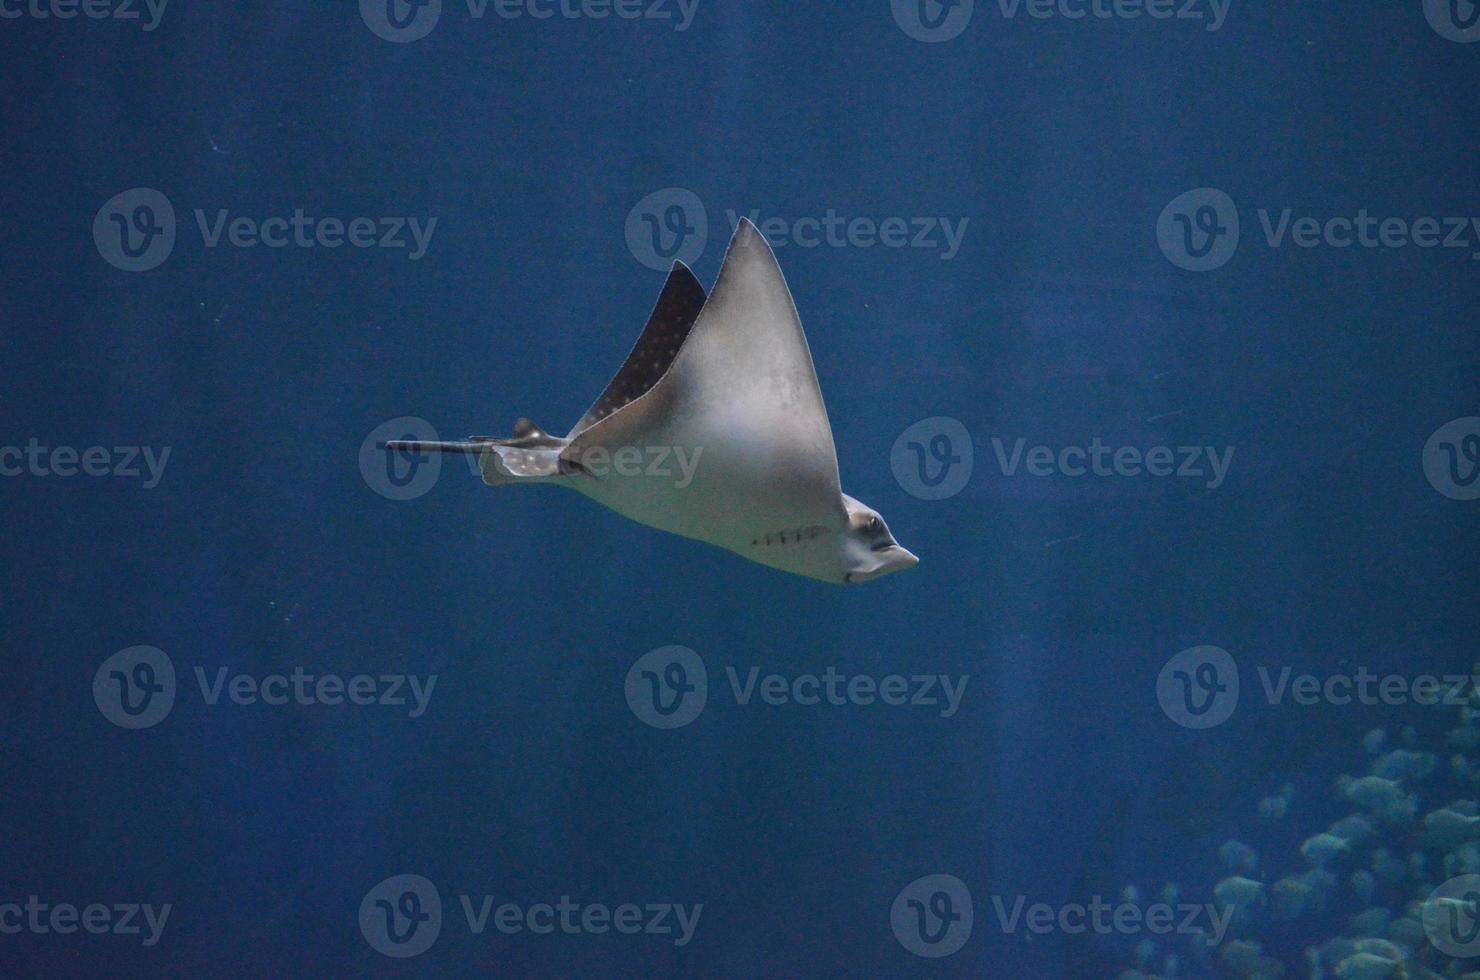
(743, 388)
(667, 328)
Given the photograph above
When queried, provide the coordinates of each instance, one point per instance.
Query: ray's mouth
(892, 558)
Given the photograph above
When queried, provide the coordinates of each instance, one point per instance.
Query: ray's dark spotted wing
(667, 329)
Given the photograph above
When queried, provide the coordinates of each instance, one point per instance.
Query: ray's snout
(898, 559)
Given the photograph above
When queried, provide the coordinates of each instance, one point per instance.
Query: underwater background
(1216, 259)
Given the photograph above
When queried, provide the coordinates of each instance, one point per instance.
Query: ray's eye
(873, 525)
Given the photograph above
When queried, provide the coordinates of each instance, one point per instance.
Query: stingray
(714, 429)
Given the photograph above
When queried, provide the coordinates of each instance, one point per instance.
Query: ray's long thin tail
(468, 447)
(531, 456)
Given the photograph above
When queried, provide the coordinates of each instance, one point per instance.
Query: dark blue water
(1071, 311)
